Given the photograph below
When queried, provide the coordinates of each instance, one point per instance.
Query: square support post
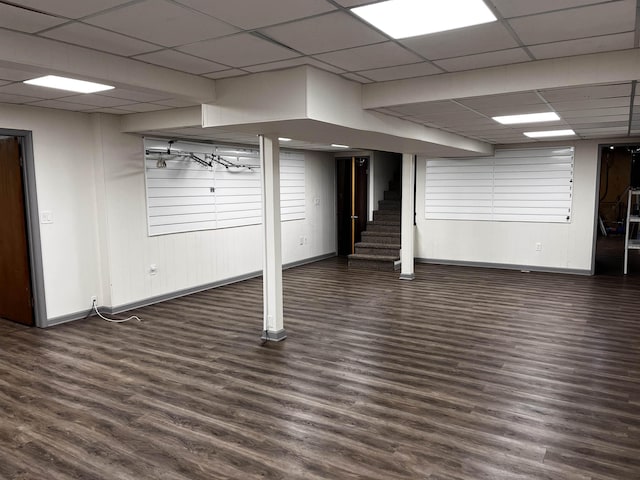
(273, 322)
(406, 223)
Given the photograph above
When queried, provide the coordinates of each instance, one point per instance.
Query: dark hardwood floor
(464, 373)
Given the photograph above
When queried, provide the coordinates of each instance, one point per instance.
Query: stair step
(381, 237)
(376, 252)
(373, 262)
(392, 195)
(386, 215)
(385, 221)
(384, 227)
(390, 205)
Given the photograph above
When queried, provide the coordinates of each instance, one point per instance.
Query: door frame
(32, 223)
(351, 158)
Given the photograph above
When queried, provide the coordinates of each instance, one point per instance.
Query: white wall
(63, 155)
(91, 177)
(564, 246)
(189, 260)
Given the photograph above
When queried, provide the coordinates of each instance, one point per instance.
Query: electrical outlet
(94, 299)
(153, 269)
(301, 240)
(538, 247)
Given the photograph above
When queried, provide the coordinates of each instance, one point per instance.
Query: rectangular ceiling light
(550, 133)
(527, 118)
(337, 145)
(284, 139)
(68, 84)
(410, 18)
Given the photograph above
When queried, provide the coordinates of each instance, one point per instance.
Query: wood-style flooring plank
(461, 374)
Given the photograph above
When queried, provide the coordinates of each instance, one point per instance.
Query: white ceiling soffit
(252, 103)
(599, 68)
(19, 51)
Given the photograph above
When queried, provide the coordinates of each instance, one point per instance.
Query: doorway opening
(21, 279)
(618, 168)
(352, 181)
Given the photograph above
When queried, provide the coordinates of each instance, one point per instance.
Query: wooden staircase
(380, 245)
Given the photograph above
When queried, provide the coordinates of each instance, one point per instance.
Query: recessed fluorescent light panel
(68, 84)
(550, 133)
(337, 145)
(284, 139)
(527, 118)
(410, 18)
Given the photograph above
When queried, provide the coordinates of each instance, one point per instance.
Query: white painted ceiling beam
(611, 67)
(163, 120)
(44, 56)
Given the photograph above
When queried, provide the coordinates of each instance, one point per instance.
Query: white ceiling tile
(595, 112)
(134, 95)
(294, 62)
(239, 50)
(600, 124)
(181, 61)
(597, 119)
(404, 71)
(587, 92)
(26, 20)
(71, 8)
(15, 75)
(251, 14)
(114, 111)
(428, 108)
(518, 8)
(599, 131)
(41, 93)
(594, 20)
(353, 3)
(161, 22)
(595, 103)
(99, 39)
(456, 43)
(143, 107)
(60, 105)
(11, 98)
(484, 60)
(451, 119)
(380, 55)
(502, 101)
(333, 31)
(582, 46)
(97, 100)
(177, 103)
(233, 72)
(357, 78)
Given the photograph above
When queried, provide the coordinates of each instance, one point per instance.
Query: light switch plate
(46, 217)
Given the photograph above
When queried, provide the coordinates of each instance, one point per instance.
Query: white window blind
(186, 196)
(524, 185)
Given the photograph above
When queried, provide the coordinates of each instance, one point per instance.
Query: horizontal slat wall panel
(187, 196)
(525, 185)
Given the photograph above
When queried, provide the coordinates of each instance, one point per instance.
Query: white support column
(407, 227)
(273, 326)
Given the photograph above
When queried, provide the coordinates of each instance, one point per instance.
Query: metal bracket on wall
(205, 159)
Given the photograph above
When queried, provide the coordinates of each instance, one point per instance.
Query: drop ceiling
(229, 38)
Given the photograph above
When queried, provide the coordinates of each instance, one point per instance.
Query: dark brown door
(15, 278)
(352, 202)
